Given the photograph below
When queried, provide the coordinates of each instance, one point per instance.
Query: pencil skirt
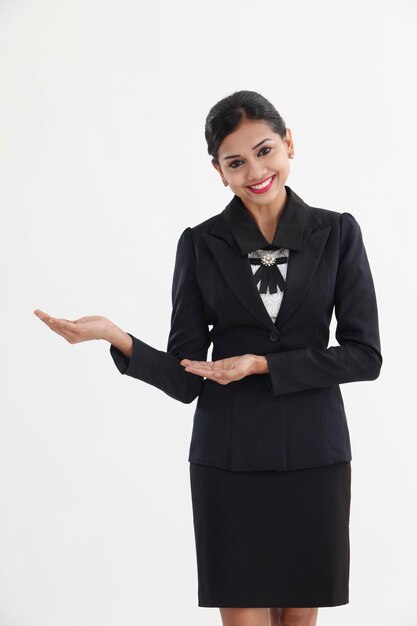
(272, 538)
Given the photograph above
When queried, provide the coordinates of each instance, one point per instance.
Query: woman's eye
(237, 162)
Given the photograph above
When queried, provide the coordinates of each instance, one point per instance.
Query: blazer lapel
(237, 272)
(302, 266)
(298, 229)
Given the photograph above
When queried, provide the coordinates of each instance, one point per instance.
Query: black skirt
(272, 538)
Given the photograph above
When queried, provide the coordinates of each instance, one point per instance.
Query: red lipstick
(264, 189)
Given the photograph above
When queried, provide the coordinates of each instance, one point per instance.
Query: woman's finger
(56, 323)
(200, 371)
(62, 324)
(49, 318)
(41, 314)
(199, 367)
(207, 365)
(214, 377)
(209, 373)
(61, 327)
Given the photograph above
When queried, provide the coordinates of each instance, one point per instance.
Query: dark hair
(226, 115)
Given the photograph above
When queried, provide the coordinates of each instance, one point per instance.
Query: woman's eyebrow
(233, 156)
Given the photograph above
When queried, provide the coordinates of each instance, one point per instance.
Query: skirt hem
(271, 602)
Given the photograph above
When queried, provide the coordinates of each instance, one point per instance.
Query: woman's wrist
(260, 365)
(119, 339)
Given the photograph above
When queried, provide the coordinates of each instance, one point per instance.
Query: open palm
(74, 331)
(222, 371)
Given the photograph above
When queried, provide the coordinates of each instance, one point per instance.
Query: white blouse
(272, 301)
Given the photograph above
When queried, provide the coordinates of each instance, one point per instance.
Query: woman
(270, 450)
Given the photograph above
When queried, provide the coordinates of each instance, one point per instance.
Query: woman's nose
(255, 172)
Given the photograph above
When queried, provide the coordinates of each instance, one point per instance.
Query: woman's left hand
(225, 371)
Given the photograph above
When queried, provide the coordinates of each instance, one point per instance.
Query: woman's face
(254, 161)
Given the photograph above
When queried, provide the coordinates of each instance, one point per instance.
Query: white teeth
(264, 184)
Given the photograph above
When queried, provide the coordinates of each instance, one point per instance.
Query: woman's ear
(219, 169)
(216, 166)
(289, 141)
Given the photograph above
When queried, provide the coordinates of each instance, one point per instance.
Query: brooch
(268, 259)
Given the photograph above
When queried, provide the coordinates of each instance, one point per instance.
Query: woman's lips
(264, 187)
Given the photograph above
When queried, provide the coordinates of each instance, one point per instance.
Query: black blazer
(292, 417)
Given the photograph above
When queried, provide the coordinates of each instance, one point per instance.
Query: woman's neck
(267, 216)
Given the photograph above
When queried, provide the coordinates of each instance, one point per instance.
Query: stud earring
(225, 183)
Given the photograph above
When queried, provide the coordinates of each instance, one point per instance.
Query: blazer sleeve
(188, 337)
(358, 356)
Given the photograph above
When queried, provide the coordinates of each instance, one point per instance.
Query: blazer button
(273, 336)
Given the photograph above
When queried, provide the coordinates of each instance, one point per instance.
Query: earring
(225, 183)
(291, 155)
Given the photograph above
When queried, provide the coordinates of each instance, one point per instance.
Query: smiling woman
(257, 170)
(270, 452)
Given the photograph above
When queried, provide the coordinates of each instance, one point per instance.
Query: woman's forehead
(248, 134)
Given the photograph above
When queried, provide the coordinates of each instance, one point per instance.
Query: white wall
(103, 164)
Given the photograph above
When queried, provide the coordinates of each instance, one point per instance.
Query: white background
(103, 164)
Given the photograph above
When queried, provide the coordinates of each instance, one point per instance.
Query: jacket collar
(299, 229)
(237, 226)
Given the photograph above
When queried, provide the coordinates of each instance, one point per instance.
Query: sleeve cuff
(138, 365)
(121, 361)
(272, 378)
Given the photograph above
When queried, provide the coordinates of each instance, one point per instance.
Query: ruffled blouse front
(272, 301)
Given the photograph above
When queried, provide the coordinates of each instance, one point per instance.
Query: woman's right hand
(82, 329)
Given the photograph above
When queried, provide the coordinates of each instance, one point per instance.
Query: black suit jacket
(292, 417)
